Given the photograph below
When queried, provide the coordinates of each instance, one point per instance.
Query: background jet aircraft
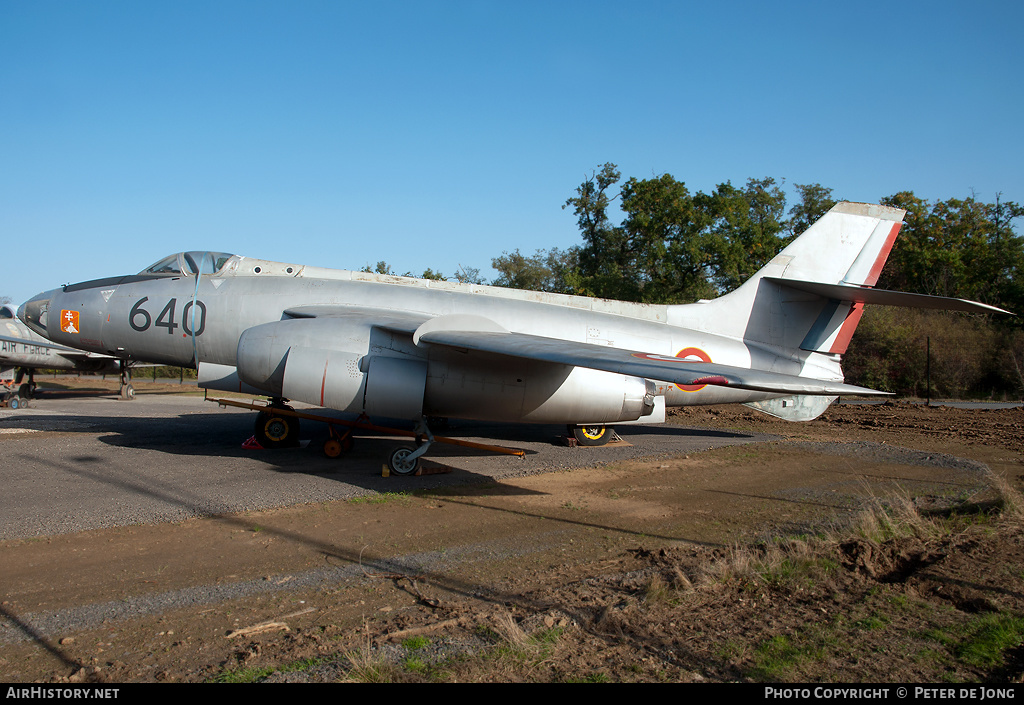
(395, 347)
(22, 352)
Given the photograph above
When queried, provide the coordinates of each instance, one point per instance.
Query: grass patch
(254, 674)
(244, 675)
(415, 643)
(988, 638)
(402, 498)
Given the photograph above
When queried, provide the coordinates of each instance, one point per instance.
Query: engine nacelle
(520, 390)
(307, 360)
(592, 396)
(353, 367)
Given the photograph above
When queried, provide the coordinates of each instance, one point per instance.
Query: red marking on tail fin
(842, 340)
(883, 254)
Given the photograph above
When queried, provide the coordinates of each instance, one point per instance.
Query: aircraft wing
(469, 332)
(657, 367)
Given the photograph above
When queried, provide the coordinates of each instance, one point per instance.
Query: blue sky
(440, 134)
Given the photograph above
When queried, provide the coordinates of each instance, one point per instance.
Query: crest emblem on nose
(69, 321)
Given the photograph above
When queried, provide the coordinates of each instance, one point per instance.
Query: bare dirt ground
(874, 544)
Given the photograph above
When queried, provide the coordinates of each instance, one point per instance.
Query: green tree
(547, 270)
(665, 242)
(431, 274)
(959, 247)
(468, 275)
(815, 201)
(746, 229)
(590, 204)
(381, 268)
(604, 256)
(674, 247)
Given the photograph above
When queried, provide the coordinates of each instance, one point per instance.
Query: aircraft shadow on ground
(221, 435)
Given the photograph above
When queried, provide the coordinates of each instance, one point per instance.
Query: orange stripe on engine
(323, 383)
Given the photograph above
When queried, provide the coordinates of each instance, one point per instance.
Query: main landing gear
(13, 400)
(15, 394)
(276, 430)
(277, 426)
(591, 435)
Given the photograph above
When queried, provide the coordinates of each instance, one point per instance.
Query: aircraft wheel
(127, 392)
(592, 435)
(399, 462)
(276, 431)
(25, 391)
(334, 447)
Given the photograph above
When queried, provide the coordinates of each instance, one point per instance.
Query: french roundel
(693, 355)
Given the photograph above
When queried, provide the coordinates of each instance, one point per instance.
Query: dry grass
(513, 635)
(370, 666)
(773, 562)
(893, 517)
(1011, 499)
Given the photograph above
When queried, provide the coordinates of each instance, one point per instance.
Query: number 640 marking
(140, 320)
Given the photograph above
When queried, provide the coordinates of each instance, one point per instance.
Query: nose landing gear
(127, 391)
(405, 460)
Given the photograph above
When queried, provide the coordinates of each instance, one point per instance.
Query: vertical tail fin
(860, 231)
(846, 247)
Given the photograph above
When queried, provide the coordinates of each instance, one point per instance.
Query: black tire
(276, 431)
(399, 464)
(592, 435)
(127, 392)
(15, 402)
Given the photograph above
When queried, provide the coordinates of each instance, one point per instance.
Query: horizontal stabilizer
(884, 297)
(836, 322)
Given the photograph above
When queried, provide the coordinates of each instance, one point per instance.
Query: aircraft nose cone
(33, 312)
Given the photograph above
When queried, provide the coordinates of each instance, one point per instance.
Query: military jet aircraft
(23, 351)
(401, 348)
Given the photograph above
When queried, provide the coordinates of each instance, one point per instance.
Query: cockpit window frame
(185, 264)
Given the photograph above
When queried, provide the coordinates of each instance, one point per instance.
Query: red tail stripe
(883, 254)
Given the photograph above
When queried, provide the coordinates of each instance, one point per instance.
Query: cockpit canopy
(188, 263)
